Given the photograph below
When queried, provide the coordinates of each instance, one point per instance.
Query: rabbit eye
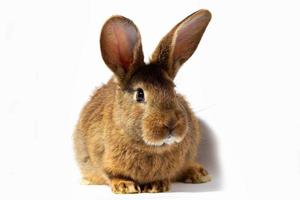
(140, 97)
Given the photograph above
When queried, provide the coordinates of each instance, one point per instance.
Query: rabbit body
(136, 133)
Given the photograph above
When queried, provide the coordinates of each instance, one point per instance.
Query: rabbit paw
(196, 174)
(121, 186)
(156, 186)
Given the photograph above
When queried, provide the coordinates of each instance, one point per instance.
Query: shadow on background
(208, 156)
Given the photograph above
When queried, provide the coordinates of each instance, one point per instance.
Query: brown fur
(119, 141)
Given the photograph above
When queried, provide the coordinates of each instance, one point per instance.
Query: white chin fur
(172, 140)
(168, 141)
(151, 143)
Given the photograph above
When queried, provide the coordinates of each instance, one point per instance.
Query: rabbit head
(146, 106)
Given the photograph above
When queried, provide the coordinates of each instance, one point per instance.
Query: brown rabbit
(136, 133)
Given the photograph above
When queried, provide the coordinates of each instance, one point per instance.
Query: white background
(243, 82)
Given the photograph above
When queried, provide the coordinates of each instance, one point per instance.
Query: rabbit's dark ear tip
(120, 18)
(204, 13)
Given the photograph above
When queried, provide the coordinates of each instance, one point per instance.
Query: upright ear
(121, 48)
(181, 42)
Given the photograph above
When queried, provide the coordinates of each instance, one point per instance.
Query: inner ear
(122, 40)
(121, 48)
(187, 38)
(181, 42)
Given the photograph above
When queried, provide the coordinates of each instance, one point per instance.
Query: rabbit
(136, 134)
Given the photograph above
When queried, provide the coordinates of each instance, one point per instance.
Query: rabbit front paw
(156, 186)
(123, 186)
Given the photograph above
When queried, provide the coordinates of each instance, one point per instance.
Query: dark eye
(140, 95)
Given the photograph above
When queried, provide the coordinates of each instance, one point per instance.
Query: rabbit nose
(170, 125)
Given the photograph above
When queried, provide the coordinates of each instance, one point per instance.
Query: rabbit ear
(121, 48)
(181, 42)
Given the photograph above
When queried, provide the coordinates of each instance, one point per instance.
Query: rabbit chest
(143, 166)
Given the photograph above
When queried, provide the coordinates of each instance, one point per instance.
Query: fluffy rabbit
(136, 133)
